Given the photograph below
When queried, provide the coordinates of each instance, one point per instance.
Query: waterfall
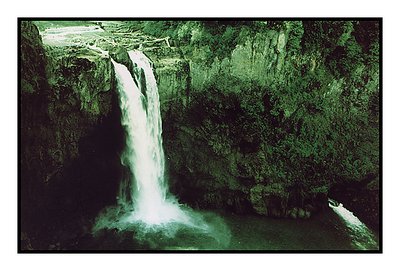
(144, 201)
(362, 237)
(145, 205)
(146, 192)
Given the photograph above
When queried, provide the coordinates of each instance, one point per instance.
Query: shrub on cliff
(303, 134)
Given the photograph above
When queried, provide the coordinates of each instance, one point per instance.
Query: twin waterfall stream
(146, 190)
(145, 205)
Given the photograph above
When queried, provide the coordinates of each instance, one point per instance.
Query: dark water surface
(324, 231)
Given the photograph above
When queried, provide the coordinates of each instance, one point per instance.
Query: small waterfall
(362, 237)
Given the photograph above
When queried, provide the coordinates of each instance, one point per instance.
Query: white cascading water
(362, 237)
(145, 205)
(144, 154)
(144, 202)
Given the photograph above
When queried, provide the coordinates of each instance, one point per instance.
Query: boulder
(120, 55)
(301, 213)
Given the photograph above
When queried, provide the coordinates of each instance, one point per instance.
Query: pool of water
(231, 232)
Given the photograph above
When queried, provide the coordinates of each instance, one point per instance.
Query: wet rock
(269, 200)
(33, 59)
(310, 208)
(292, 213)
(297, 212)
(301, 213)
(121, 56)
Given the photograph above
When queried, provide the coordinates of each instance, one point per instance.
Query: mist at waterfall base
(145, 207)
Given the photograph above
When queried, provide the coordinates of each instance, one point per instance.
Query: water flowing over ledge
(144, 201)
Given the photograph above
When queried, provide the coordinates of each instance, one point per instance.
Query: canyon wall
(265, 121)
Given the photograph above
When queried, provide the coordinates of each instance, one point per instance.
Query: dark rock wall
(70, 133)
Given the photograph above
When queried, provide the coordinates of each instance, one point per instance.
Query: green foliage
(295, 36)
(33, 60)
(301, 133)
(348, 29)
(347, 45)
(306, 131)
(345, 59)
(221, 37)
(367, 35)
(323, 35)
(160, 28)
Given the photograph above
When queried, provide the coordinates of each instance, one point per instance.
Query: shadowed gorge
(200, 135)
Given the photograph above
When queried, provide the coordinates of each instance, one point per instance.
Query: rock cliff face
(213, 165)
(71, 136)
(230, 177)
(68, 110)
(259, 58)
(173, 75)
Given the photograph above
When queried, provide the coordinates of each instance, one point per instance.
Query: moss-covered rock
(120, 55)
(32, 59)
(270, 199)
(82, 77)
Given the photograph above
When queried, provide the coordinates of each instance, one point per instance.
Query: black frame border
(379, 251)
